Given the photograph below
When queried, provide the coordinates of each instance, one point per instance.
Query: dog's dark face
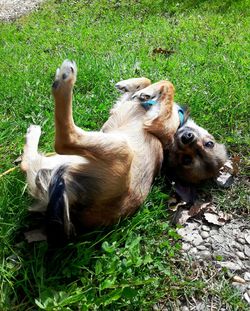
(195, 155)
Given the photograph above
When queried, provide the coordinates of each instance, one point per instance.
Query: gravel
(223, 246)
(13, 9)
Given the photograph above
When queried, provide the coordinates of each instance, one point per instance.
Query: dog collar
(148, 104)
(181, 114)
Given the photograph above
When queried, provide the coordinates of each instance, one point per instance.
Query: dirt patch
(13, 9)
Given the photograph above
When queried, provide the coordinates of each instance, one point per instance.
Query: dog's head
(195, 155)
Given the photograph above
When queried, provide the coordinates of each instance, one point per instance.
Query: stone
(155, 307)
(240, 255)
(186, 246)
(247, 276)
(247, 250)
(247, 238)
(238, 279)
(204, 234)
(218, 238)
(205, 228)
(201, 247)
(229, 265)
(238, 246)
(240, 287)
(241, 240)
(205, 254)
(184, 308)
(247, 298)
(213, 232)
(197, 239)
(193, 251)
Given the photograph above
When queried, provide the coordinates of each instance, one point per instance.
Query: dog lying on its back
(99, 177)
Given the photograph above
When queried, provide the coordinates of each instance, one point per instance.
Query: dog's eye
(144, 97)
(186, 160)
(209, 144)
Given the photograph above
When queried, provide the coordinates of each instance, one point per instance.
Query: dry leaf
(163, 51)
(214, 219)
(35, 235)
(181, 216)
(224, 179)
(200, 208)
(235, 163)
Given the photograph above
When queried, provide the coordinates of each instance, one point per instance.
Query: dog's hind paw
(33, 134)
(132, 85)
(65, 75)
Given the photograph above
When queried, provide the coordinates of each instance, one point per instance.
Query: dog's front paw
(65, 75)
(132, 85)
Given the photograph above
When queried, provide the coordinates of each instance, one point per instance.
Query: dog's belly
(148, 155)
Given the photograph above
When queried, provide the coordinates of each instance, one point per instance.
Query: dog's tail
(59, 226)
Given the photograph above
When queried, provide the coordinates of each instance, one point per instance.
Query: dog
(97, 178)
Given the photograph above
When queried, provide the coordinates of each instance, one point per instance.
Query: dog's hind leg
(31, 159)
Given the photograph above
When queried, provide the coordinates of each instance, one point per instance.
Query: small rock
(213, 232)
(155, 307)
(193, 251)
(247, 250)
(239, 286)
(184, 308)
(229, 265)
(247, 276)
(215, 246)
(238, 279)
(201, 247)
(207, 244)
(241, 240)
(218, 238)
(240, 255)
(247, 238)
(204, 254)
(238, 246)
(197, 240)
(247, 298)
(186, 246)
(204, 234)
(205, 228)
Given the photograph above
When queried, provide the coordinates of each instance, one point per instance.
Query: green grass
(134, 264)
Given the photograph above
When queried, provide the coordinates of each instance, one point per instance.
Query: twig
(8, 171)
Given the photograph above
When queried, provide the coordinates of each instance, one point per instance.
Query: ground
(12, 9)
(141, 263)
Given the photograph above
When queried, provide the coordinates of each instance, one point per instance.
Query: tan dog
(99, 177)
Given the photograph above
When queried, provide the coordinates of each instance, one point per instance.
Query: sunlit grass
(135, 264)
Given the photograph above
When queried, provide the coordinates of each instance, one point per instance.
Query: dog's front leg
(62, 89)
(72, 140)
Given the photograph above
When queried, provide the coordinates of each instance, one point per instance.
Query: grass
(134, 264)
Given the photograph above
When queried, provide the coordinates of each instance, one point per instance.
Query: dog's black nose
(187, 137)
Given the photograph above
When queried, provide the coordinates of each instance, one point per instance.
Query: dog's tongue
(186, 192)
